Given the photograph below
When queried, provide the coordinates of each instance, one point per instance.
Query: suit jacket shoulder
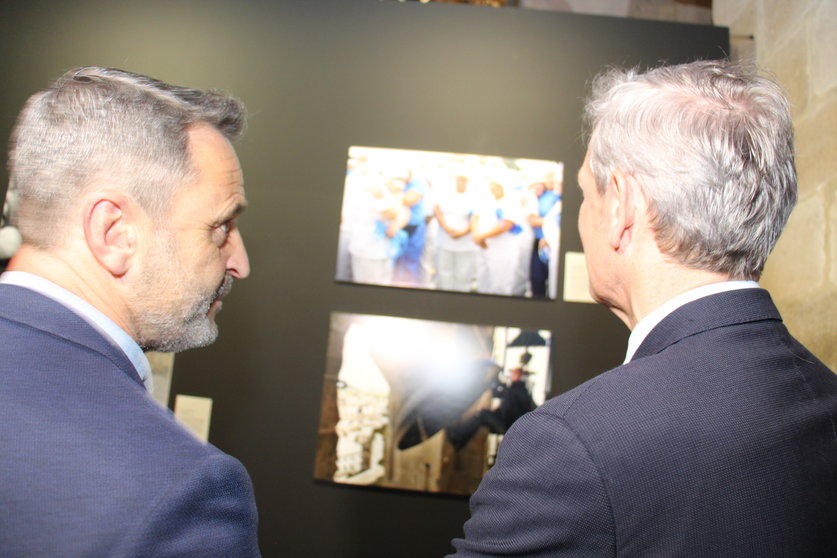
(94, 466)
(718, 439)
(25, 313)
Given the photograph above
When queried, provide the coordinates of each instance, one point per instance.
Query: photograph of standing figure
(450, 222)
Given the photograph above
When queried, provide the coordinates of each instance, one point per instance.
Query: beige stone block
(726, 12)
(689, 13)
(831, 197)
(746, 22)
(782, 19)
(789, 65)
(797, 266)
(816, 144)
(824, 50)
(667, 10)
(813, 321)
(652, 9)
(743, 31)
(808, 305)
(742, 49)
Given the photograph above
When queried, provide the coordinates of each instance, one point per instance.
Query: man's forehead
(217, 185)
(204, 131)
(211, 150)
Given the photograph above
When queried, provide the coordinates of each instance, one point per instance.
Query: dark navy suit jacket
(89, 464)
(718, 439)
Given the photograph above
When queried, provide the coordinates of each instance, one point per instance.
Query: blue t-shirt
(545, 203)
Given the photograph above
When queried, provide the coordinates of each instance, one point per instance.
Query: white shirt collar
(91, 315)
(649, 322)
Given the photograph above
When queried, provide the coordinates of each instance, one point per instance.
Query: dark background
(318, 76)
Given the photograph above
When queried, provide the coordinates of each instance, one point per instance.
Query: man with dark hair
(717, 436)
(128, 191)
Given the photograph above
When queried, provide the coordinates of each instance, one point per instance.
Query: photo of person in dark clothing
(515, 401)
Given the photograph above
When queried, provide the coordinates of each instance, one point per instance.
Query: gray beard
(169, 332)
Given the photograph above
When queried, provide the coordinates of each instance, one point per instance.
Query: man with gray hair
(128, 191)
(716, 437)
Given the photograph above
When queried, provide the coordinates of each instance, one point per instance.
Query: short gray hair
(711, 144)
(104, 125)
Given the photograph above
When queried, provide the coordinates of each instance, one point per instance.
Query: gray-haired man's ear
(110, 231)
(621, 194)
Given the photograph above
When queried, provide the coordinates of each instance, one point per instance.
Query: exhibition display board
(319, 77)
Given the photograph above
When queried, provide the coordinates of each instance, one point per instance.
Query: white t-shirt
(456, 209)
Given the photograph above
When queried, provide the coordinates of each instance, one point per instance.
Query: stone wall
(795, 42)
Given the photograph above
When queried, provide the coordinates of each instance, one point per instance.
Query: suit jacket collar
(714, 311)
(24, 306)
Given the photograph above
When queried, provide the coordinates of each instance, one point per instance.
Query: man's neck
(650, 321)
(77, 276)
(653, 286)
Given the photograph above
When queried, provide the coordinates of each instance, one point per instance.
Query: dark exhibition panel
(319, 76)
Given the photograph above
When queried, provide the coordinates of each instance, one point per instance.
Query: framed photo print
(422, 405)
(450, 221)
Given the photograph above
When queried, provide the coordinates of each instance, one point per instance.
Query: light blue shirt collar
(649, 322)
(91, 315)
